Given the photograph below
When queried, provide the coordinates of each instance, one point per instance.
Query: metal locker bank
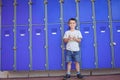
(31, 34)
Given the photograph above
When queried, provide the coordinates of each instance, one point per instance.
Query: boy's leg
(77, 65)
(77, 60)
(78, 70)
(69, 67)
(68, 71)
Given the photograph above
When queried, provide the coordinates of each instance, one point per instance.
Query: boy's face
(72, 24)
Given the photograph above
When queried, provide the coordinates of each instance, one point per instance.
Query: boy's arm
(66, 40)
(77, 39)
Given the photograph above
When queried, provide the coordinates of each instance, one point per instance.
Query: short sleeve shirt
(72, 45)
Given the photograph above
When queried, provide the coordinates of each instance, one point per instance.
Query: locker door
(69, 9)
(22, 12)
(103, 44)
(7, 12)
(116, 39)
(22, 55)
(115, 4)
(38, 12)
(54, 47)
(101, 8)
(38, 56)
(87, 47)
(7, 54)
(85, 10)
(53, 11)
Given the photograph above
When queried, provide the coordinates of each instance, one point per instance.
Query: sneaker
(67, 76)
(79, 76)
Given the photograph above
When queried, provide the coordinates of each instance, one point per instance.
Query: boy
(72, 38)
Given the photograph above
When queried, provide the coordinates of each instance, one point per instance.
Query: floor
(103, 77)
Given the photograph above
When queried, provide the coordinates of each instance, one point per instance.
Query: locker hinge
(61, 1)
(93, 0)
(46, 46)
(44, 19)
(62, 65)
(14, 66)
(14, 48)
(28, 29)
(45, 29)
(61, 18)
(77, 0)
(14, 21)
(94, 45)
(30, 47)
(93, 17)
(61, 28)
(30, 3)
(15, 4)
(29, 65)
(45, 65)
(29, 20)
(1, 5)
(109, 26)
(111, 62)
(62, 47)
(113, 44)
(45, 2)
(95, 63)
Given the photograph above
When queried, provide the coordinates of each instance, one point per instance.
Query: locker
(69, 10)
(22, 54)
(101, 11)
(53, 11)
(22, 12)
(115, 9)
(7, 12)
(38, 12)
(85, 10)
(116, 39)
(38, 56)
(7, 54)
(103, 45)
(54, 47)
(87, 47)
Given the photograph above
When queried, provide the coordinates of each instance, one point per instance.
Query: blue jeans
(72, 56)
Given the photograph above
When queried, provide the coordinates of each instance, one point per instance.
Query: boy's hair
(72, 19)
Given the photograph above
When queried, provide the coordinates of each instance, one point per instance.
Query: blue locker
(38, 12)
(7, 54)
(103, 45)
(116, 39)
(22, 55)
(87, 47)
(38, 43)
(22, 12)
(7, 12)
(115, 9)
(85, 10)
(54, 47)
(69, 9)
(101, 10)
(53, 11)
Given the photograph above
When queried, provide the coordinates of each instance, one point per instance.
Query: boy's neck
(72, 29)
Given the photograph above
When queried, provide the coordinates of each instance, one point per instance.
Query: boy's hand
(77, 39)
(70, 38)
